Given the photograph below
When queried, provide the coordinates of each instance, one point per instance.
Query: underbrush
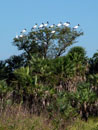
(17, 118)
(91, 124)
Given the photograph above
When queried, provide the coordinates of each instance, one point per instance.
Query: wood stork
(51, 26)
(53, 32)
(46, 24)
(58, 25)
(41, 26)
(35, 26)
(21, 36)
(66, 24)
(75, 27)
(16, 36)
(24, 30)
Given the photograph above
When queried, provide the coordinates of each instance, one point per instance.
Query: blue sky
(16, 15)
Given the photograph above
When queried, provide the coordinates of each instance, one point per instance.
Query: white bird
(66, 24)
(35, 26)
(53, 32)
(46, 24)
(59, 24)
(42, 25)
(24, 30)
(51, 26)
(75, 27)
(16, 36)
(21, 35)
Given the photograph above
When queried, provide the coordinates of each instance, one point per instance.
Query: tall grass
(16, 118)
(91, 124)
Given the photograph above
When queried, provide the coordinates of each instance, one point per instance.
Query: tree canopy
(43, 43)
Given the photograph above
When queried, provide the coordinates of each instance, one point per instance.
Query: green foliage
(64, 105)
(74, 63)
(92, 124)
(80, 51)
(3, 73)
(3, 88)
(14, 62)
(94, 64)
(23, 76)
(23, 82)
(85, 94)
(93, 79)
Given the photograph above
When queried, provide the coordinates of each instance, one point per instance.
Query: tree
(84, 98)
(15, 62)
(43, 43)
(3, 73)
(77, 60)
(94, 64)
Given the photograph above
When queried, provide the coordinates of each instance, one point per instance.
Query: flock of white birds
(43, 25)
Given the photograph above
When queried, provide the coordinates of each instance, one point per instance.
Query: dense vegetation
(43, 79)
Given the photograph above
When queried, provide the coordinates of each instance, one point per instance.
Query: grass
(15, 118)
(27, 123)
(91, 124)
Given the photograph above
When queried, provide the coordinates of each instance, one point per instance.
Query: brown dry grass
(16, 118)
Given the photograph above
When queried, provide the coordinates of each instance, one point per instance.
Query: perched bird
(66, 24)
(24, 30)
(41, 26)
(58, 25)
(75, 27)
(16, 36)
(53, 32)
(35, 26)
(46, 24)
(21, 36)
(51, 26)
